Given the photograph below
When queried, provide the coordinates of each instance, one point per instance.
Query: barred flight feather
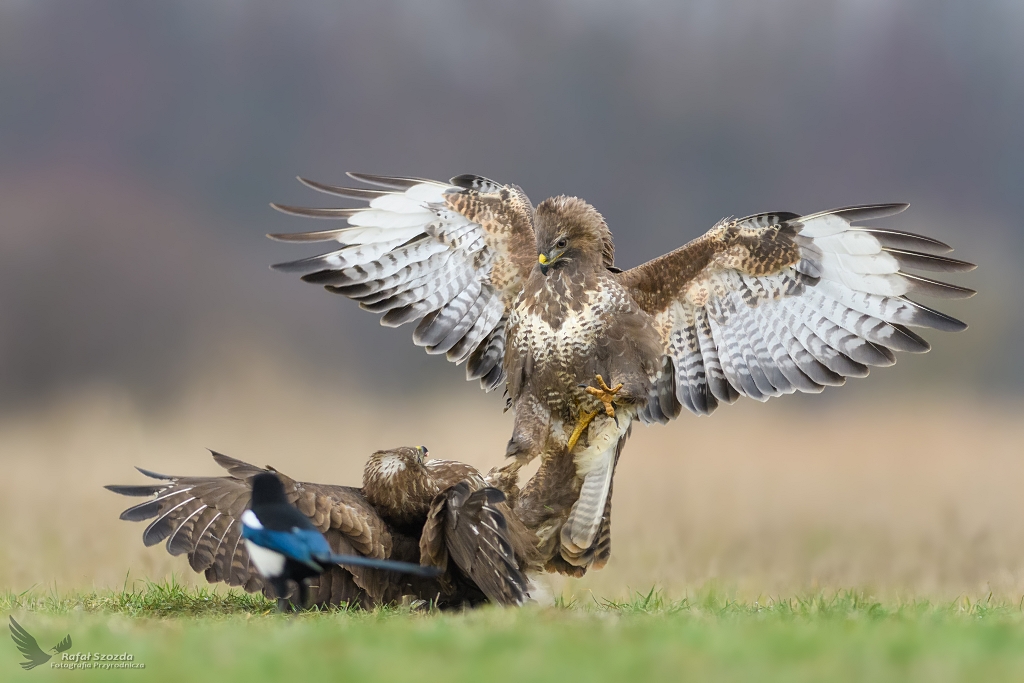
(489, 324)
(464, 309)
(488, 354)
(412, 275)
(450, 255)
(451, 319)
(783, 320)
(179, 542)
(342, 258)
(780, 353)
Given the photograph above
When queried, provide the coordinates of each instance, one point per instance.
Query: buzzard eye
(561, 243)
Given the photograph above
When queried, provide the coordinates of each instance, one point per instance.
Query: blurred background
(140, 145)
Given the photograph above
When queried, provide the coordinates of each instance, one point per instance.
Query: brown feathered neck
(581, 225)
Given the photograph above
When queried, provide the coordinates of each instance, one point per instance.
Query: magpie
(285, 547)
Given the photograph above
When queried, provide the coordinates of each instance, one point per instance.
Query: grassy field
(828, 539)
(197, 634)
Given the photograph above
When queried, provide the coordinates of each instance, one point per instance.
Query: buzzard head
(571, 231)
(386, 466)
(397, 483)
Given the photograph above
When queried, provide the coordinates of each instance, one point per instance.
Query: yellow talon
(605, 394)
(581, 424)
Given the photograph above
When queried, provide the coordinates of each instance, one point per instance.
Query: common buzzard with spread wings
(760, 306)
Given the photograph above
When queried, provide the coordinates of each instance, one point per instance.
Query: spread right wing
(452, 255)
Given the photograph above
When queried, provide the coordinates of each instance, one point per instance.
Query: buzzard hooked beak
(545, 261)
(422, 450)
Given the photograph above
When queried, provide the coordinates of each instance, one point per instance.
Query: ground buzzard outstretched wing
(201, 516)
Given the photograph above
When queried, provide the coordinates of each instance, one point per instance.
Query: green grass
(185, 634)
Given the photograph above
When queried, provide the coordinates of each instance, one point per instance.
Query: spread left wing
(776, 303)
(453, 256)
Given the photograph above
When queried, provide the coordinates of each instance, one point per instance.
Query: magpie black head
(271, 507)
(267, 489)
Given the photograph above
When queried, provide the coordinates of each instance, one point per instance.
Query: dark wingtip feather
(138, 491)
(326, 277)
(338, 191)
(391, 182)
(306, 212)
(227, 462)
(288, 266)
(316, 236)
(141, 511)
(400, 316)
(870, 212)
(931, 262)
(352, 291)
(157, 531)
(922, 344)
(865, 212)
(314, 263)
(494, 377)
(934, 288)
(898, 239)
(937, 320)
(155, 475)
